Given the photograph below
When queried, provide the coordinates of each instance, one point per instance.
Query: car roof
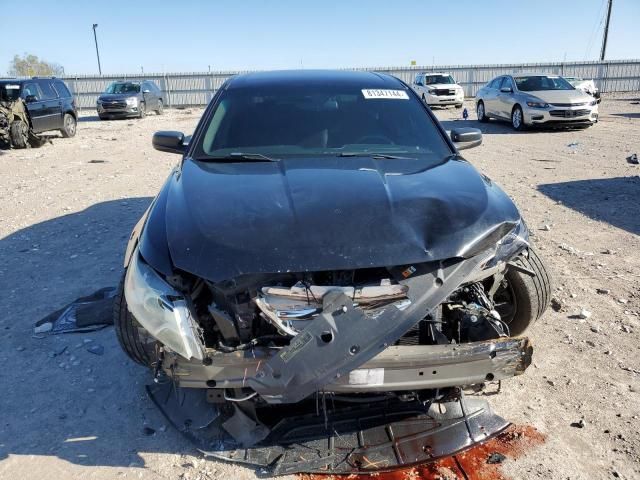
(294, 78)
(435, 73)
(529, 74)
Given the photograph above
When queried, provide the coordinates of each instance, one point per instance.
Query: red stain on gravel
(474, 463)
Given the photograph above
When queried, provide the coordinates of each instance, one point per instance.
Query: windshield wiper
(254, 157)
(374, 155)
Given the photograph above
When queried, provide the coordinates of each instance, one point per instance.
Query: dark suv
(129, 99)
(49, 103)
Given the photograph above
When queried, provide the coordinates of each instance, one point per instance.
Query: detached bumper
(396, 368)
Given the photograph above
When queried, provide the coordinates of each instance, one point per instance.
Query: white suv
(438, 89)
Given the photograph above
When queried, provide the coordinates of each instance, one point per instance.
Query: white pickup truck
(438, 89)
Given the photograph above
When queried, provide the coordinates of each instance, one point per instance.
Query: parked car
(438, 89)
(587, 86)
(322, 234)
(130, 99)
(49, 104)
(535, 99)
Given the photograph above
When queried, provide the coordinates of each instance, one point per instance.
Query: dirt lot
(66, 210)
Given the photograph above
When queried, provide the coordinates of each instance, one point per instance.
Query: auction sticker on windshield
(389, 94)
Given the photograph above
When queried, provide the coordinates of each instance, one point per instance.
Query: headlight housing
(161, 310)
(511, 244)
(132, 101)
(538, 104)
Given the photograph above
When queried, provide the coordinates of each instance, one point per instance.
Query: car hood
(561, 96)
(443, 85)
(310, 214)
(116, 96)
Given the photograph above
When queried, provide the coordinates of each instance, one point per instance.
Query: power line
(596, 26)
(606, 32)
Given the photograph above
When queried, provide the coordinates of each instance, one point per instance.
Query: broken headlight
(161, 310)
(511, 244)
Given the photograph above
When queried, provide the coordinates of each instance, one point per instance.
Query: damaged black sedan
(324, 262)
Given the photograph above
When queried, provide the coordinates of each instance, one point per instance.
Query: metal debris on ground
(633, 159)
(84, 314)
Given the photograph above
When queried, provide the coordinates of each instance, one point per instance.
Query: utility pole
(95, 38)
(606, 31)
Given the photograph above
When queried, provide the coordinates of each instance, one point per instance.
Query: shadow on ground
(88, 118)
(64, 401)
(627, 115)
(615, 201)
(494, 127)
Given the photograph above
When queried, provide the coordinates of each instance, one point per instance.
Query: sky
(186, 35)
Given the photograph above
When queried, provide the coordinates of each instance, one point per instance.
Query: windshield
(327, 120)
(123, 87)
(434, 79)
(540, 82)
(9, 91)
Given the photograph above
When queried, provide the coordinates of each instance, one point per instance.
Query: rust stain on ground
(474, 463)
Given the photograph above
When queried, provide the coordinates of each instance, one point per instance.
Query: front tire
(69, 126)
(133, 339)
(517, 119)
(160, 109)
(481, 114)
(523, 298)
(142, 110)
(19, 134)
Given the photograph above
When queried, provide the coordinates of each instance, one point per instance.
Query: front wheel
(69, 125)
(133, 339)
(522, 298)
(517, 118)
(142, 110)
(480, 113)
(160, 109)
(19, 134)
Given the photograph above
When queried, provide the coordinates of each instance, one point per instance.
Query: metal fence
(197, 88)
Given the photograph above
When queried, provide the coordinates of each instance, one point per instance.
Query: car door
(150, 100)
(491, 97)
(52, 118)
(32, 96)
(506, 97)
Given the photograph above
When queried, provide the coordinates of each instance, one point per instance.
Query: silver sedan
(527, 100)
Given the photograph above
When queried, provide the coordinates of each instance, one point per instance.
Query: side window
(61, 88)
(155, 87)
(506, 83)
(48, 93)
(31, 89)
(495, 83)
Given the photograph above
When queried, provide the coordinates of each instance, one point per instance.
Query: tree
(31, 66)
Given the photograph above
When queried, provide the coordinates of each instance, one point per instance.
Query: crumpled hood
(562, 96)
(311, 214)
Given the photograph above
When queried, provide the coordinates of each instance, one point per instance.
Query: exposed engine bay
(270, 311)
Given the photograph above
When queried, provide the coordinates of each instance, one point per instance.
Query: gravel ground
(66, 211)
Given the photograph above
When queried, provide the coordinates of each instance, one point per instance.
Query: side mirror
(146, 90)
(31, 98)
(506, 90)
(170, 142)
(464, 138)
